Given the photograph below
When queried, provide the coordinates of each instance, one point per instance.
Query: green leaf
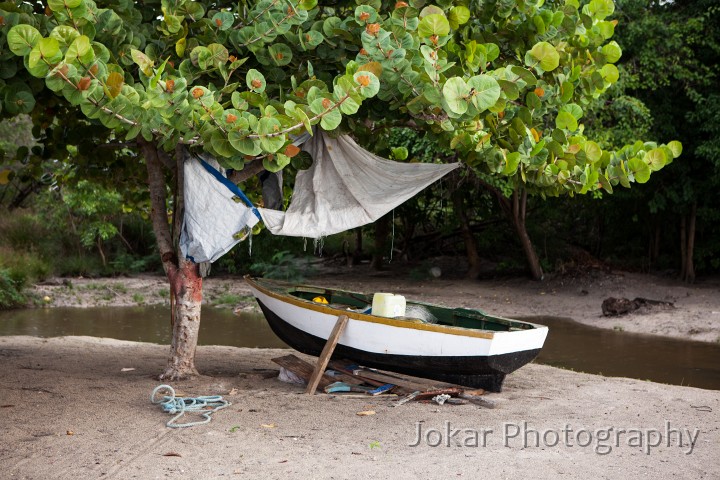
(605, 183)
(368, 82)
(526, 75)
(365, 14)
(307, 4)
(533, 101)
(221, 145)
(566, 120)
(485, 91)
(81, 50)
(280, 54)
(573, 109)
(255, 81)
(300, 116)
(219, 54)
(610, 73)
(22, 38)
(612, 52)
(512, 160)
(114, 84)
(44, 54)
(606, 29)
(546, 55)
(639, 169)
(276, 163)
(269, 126)
(593, 151)
(331, 120)
(676, 148)
(656, 159)
(64, 34)
(600, 9)
(61, 5)
(19, 101)
(456, 94)
(510, 89)
(458, 15)
(434, 24)
(143, 61)
(223, 20)
(244, 145)
(400, 153)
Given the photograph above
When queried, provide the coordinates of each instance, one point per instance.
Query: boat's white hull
(476, 358)
(402, 340)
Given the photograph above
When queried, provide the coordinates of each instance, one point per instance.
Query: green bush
(11, 295)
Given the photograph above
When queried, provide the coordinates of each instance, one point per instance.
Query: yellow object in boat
(320, 300)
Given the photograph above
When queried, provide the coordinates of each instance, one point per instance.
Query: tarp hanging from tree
(346, 187)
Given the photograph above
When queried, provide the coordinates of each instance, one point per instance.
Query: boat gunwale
(265, 286)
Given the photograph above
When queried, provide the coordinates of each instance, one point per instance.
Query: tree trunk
(357, 254)
(687, 245)
(182, 274)
(655, 245)
(517, 213)
(382, 229)
(186, 292)
(471, 249)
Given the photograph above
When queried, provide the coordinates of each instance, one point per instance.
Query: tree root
(175, 374)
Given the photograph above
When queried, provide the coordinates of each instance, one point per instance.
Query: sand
(68, 410)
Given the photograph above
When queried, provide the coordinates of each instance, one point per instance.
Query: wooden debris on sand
(348, 379)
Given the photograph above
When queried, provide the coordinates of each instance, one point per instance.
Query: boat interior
(417, 312)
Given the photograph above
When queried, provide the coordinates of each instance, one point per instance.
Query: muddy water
(623, 354)
(569, 344)
(139, 324)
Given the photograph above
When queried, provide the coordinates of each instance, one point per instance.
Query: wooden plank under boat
(456, 345)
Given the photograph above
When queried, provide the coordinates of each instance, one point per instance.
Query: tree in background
(671, 51)
(112, 84)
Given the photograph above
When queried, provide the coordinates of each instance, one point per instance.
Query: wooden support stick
(327, 352)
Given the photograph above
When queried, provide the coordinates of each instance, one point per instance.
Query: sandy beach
(78, 407)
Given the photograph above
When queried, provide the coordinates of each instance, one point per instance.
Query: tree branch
(251, 169)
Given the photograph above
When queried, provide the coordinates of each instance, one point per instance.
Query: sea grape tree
(503, 83)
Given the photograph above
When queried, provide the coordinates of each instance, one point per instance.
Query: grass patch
(137, 298)
(227, 299)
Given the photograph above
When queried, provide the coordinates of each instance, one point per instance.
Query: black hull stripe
(487, 372)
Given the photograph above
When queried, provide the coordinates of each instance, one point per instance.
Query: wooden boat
(457, 345)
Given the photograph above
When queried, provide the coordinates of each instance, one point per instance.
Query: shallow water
(140, 324)
(569, 344)
(623, 354)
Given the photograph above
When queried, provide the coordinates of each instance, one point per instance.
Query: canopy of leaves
(504, 84)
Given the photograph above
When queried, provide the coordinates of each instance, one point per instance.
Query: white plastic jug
(388, 305)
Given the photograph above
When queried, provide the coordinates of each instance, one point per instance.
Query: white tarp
(213, 221)
(346, 187)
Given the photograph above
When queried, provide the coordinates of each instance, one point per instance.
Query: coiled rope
(207, 404)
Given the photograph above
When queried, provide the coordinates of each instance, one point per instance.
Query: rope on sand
(171, 404)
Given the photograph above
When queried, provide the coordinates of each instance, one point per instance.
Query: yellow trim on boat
(318, 307)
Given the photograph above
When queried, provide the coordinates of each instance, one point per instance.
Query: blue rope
(231, 186)
(207, 404)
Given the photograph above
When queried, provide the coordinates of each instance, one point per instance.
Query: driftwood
(621, 306)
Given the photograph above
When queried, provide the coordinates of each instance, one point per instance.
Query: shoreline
(695, 315)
